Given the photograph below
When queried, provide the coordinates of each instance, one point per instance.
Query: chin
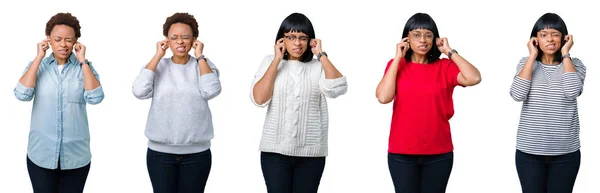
(549, 52)
(180, 54)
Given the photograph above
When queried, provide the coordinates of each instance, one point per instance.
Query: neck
(417, 58)
(293, 58)
(548, 59)
(180, 59)
(60, 61)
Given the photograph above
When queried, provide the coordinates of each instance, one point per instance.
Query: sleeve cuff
(146, 74)
(20, 88)
(95, 93)
(330, 83)
(208, 78)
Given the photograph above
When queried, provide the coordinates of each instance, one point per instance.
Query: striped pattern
(549, 121)
(297, 122)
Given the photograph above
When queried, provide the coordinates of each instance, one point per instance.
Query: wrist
(450, 53)
(83, 62)
(563, 52)
(564, 56)
(320, 55)
(398, 57)
(200, 57)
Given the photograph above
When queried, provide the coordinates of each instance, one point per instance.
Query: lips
(180, 49)
(550, 46)
(422, 47)
(63, 51)
(297, 51)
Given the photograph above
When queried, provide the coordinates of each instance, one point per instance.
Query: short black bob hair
(297, 22)
(550, 21)
(423, 21)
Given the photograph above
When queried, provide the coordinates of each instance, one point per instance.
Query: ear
(48, 37)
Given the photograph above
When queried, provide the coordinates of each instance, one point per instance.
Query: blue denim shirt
(59, 126)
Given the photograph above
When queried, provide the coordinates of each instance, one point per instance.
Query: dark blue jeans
(173, 173)
(290, 174)
(57, 181)
(547, 174)
(420, 173)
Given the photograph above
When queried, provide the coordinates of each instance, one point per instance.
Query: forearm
(90, 82)
(203, 66)
(469, 72)
(527, 69)
(29, 78)
(263, 89)
(330, 71)
(568, 64)
(153, 63)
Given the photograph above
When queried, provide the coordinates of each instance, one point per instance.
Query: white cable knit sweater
(297, 121)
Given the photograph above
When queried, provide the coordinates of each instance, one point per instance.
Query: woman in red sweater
(421, 84)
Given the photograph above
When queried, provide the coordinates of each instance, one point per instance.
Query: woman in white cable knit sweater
(294, 84)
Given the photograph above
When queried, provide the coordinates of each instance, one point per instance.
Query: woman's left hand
(315, 46)
(79, 51)
(443, 45)
(198, 48)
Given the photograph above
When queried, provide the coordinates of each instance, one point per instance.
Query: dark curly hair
(64, 19)
(184, 18)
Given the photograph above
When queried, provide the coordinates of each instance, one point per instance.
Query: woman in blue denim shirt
(58, 152)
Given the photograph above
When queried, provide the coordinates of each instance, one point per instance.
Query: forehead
(180, 28)
(62, 31)
(549, 30)
(296, 33)
(421, 31)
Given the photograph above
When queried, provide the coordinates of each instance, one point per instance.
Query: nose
(297, 41)
(179, 40)
(63, 43)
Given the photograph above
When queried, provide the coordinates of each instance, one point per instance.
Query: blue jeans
(420, 173)
(173, 173)
(57, 181)
(290, 174)
(547, 174)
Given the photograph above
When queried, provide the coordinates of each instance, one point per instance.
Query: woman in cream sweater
(294, 86)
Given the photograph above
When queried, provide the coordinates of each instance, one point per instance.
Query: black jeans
(290, 174)
(57, 181)
(547, 174)
(173, 173)
(420, 173)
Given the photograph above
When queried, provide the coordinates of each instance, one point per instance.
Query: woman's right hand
(161, 48)
(42, 47)
(402, 48)
(279, 49)
(532, 46)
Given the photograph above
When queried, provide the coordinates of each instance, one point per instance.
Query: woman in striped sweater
(548, 82)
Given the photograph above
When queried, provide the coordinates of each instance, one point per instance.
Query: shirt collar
(71, 60)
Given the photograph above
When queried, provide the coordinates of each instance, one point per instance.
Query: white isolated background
(360, 38)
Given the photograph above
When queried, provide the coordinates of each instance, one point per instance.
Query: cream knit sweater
(296, 123)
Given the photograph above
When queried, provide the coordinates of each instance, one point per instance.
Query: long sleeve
(22, 92)
(259, 74)
(520, 87)
(210, 85)
(95, 95)
(572, 82)
(143, 85)
(333, 88)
